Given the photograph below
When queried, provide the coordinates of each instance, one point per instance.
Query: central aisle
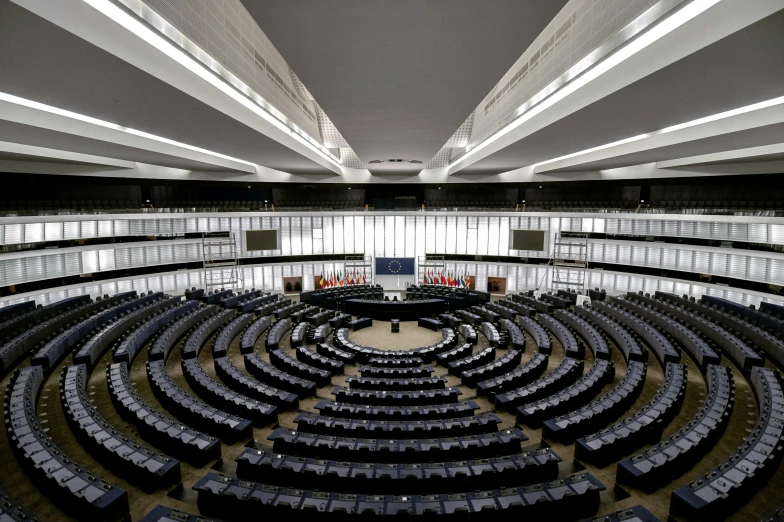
(411, 336)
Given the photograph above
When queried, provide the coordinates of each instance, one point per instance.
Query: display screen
(528, 240)
(261, 240)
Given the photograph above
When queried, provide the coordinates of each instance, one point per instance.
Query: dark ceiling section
(744, 68)
(398, 77)
(45, 63)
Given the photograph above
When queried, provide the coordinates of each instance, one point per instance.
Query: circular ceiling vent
(394, 161)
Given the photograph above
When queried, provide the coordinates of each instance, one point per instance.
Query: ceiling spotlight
(265, 201)
(395, 160)
(248, 186)
(349, 188)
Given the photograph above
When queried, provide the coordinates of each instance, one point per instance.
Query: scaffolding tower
(429, 263)
(569, 262)
(221, 266)
(360, 264)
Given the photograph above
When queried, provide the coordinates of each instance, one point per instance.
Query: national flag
(424, 278)
(321, 280)
(364, 278)
(443, 279)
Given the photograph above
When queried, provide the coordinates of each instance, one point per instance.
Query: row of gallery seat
(396, 439)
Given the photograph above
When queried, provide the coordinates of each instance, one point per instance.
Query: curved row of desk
(397, 436)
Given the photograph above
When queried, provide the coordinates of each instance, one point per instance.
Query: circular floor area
(410, 336)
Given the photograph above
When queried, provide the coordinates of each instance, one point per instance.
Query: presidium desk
(386, 310)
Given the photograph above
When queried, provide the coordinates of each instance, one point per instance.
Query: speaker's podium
(395, 323)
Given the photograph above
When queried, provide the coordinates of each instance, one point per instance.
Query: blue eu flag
(395, 266)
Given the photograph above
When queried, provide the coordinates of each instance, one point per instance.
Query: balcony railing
(720, 211)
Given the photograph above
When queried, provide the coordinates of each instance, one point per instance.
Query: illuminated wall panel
(409, 234)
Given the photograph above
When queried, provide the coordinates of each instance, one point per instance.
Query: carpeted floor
(410, 336)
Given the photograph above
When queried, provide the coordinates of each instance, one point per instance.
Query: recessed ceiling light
(395, 160)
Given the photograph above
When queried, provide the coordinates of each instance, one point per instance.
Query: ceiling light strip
(154, 30)
(598, 63)
(767, 104)
(642, 22)
(30, 104)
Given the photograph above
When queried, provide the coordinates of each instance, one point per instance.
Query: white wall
(393, 234)
(396, 234)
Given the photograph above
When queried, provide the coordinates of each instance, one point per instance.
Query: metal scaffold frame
(569, 262)
(360, 264)
(220, 262)
(429, 262)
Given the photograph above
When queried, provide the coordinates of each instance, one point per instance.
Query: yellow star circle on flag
(394, 266)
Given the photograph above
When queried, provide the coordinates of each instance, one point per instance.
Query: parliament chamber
(341, 260)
